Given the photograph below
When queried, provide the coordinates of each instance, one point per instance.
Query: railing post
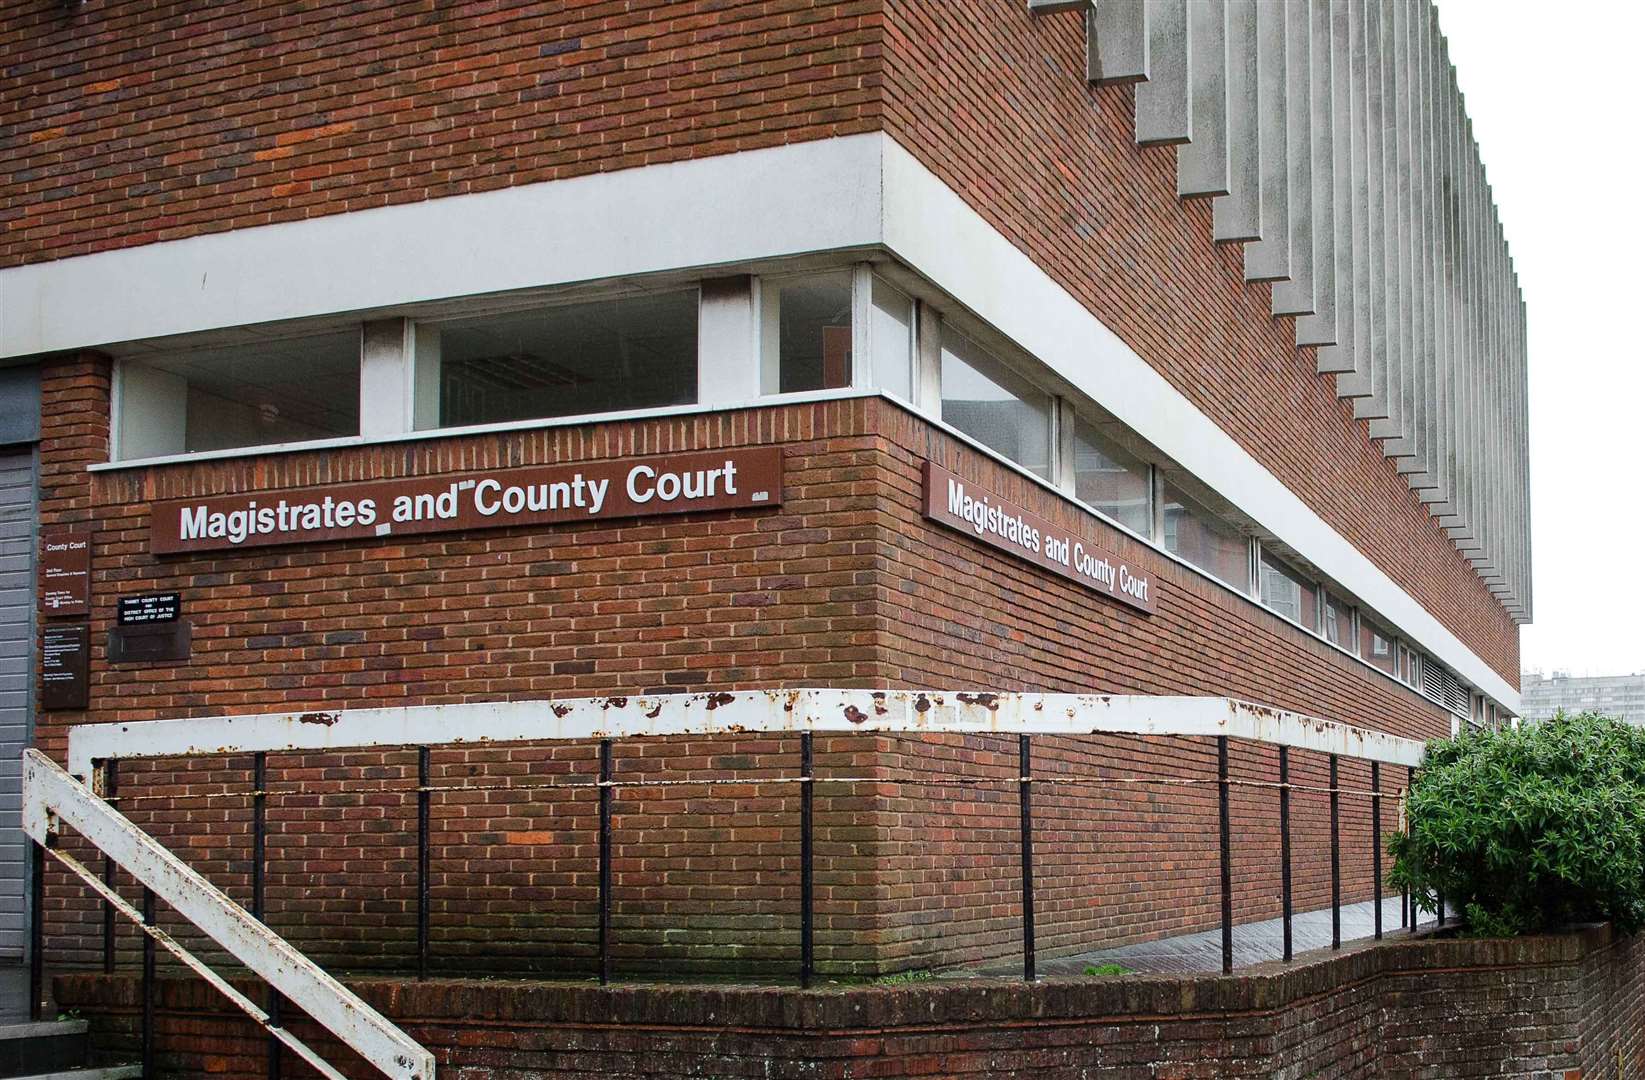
(1336, 864)
(422, 863)
(1285, 842)
(605, 861)
(110, 781)
(37, 930)
(1025, 820)
(259, 831)
(259, 891)
(149, 988)
(1406, 918)
(1376, 841)
(1227, 857)
(806, 850)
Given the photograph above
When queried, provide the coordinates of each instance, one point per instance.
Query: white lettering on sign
(676, 483)
(238, 526)
(646, 483)
(986, 518)
(1074, 553)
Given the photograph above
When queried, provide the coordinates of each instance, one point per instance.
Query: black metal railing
(607, 784)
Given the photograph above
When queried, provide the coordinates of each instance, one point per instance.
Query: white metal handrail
(53, 798)
(799, 710)
(73, 797)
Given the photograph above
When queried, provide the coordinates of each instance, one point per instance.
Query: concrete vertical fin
(1116, 41)
(1299, 294)
(1349, 165)
(1374, 403)
(1202, 162)
(1268, 258)
(1162, 100)
(1237, 216)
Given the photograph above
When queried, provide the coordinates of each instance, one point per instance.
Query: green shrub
(1529, 830)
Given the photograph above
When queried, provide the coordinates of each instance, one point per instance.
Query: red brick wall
(128, 123)
(845, 584)
(1459, 1009)
(996, 104)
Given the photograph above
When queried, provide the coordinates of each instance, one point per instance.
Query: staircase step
(111, 1072)
(46, 1046)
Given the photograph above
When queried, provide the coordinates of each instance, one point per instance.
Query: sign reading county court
(962, 505)
(493, 499)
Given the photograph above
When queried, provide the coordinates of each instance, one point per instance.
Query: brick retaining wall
(1567, 1007)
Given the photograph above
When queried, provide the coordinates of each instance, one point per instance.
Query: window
(805, 329)
(891, 327)
(241, 395)
(1377, 647)
(1287, 592)
(995, 406)
(1110, 480)
(590, 357)
(1337, 622)
(1411, 667)
(1196, 535)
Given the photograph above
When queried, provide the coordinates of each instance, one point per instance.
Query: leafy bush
(1529, 830)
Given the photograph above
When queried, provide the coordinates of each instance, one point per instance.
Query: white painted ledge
(740, 712)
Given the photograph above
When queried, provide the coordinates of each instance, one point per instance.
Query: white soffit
(823, 195)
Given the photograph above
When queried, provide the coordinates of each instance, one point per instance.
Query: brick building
(451, 354)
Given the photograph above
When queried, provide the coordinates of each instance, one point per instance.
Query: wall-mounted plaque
(151, 643)
(65, 667)
(148, 608)
(65, 571)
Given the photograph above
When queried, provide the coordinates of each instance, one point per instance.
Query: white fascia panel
(849, 192)
(933, 230)
(810, 196)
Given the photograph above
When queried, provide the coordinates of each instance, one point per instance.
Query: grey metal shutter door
(16, 633)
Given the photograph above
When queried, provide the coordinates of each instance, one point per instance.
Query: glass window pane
(1339, 623)
(590, 357)
(1287, 592)
(1377, 647)
(893, 339)
(1213, 545)
(807, 332)
(252, 394)
(995, 406)
(1110, 480)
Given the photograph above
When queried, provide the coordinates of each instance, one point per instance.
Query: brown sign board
(65, 572)
(493, 499)
(65, 667)
(983, 515)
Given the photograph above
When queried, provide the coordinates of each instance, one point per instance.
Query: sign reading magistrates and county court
(981, 513)
(493, 499)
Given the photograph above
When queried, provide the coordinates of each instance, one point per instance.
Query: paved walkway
(1202, 952)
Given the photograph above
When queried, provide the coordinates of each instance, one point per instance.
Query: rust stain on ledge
(324, 719)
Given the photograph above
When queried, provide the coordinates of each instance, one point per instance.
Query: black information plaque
(148, 608)
(65, 667)
(151, 643)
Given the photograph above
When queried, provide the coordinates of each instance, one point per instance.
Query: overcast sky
(1555, 96)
